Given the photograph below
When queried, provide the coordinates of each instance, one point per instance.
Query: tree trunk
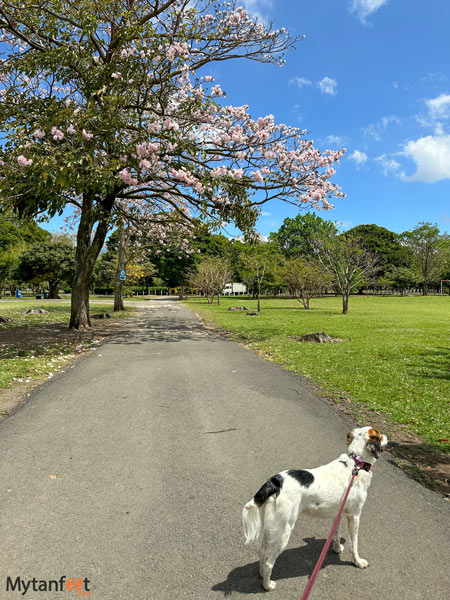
(425, 289)
(87, 251)
(344, 304)
(53, 289)
(218, 299)
(118, 283)
(259, 302)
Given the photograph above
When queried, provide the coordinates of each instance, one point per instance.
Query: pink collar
(360, 463)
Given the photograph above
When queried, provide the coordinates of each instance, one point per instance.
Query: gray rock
(36, 311)
(5, 319)
(101, 316)
(252, 314)
(238, 308)
(318, 338)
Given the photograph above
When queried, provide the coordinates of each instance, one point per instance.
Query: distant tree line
(305, 258)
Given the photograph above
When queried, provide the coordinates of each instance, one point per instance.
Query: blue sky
(372, 76)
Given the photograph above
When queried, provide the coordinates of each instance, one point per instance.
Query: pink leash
(312, 579)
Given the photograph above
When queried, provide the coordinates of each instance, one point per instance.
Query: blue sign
(18, 294)
(123, 275)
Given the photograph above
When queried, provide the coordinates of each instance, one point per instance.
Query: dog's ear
(374, 442)
(349, 437)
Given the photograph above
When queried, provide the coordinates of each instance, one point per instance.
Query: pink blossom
(127, 177)
(145, 164)
(57, 134)
(71, 129)
(87, 135)
(23, 162)
(39, 133)
(154, 127)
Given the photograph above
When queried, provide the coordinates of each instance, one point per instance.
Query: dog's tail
(251, 515)
(251, 519)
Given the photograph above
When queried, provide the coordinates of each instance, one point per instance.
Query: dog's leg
(337, 546)
(353, 526)
(270, 551)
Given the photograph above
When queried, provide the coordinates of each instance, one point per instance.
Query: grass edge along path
(29, 355)
(394, 357)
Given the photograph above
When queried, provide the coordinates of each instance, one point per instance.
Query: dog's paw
(361, 563)
(270, 586)
(338, 548)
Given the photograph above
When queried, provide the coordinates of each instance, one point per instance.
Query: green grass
(41, 359)
(58, 312)
(395, 357)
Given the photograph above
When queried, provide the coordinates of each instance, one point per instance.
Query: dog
(272, 512)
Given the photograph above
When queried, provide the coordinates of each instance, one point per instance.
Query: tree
(15, 237)
(347, 263)
(52, 262)
(211, 276)
(384, 244)
(305, 278)
(429, 250)
(102, 102)
(403, 277)
(259, 264)
(295, 236)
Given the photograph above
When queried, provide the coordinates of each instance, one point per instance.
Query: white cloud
(359, 157)
(300, 81)
(439, 107)
(328, 86)
(365, 8)
(334, 140)
(254, 8)
(265, 214)
(432, 157)
(389, 165)
(377, 129)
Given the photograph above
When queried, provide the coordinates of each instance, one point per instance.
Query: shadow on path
(294, 562)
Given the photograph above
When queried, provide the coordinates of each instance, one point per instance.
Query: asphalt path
(131, 469)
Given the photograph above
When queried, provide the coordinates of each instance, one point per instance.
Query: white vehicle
(234, 289)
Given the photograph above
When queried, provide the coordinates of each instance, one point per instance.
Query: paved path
(132, 467)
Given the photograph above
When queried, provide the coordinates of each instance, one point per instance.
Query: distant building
(234, 289)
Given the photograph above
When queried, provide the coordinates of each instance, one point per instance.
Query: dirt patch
(22, 340)
(408, 451)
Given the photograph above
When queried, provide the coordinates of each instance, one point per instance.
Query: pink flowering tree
(112, 102)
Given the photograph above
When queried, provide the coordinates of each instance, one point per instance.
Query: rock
(5, 319)
(238, 308)
(35, 311)
(252, 314)
(318, 338)
(101, 316)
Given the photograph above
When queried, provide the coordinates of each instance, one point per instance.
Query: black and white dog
(272, 512)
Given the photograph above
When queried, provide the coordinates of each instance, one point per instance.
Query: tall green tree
(386, 245)
(295, 236)
(15, 236)
(430, 250)
(52, 262)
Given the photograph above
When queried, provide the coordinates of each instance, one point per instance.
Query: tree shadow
(160, 329)
(433, 363)
(294, 562)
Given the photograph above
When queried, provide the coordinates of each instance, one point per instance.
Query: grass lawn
(30, 349)
(395, 357)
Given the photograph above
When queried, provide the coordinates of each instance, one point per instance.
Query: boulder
(318, 338)
(101, 316)
(35, 311)
(252, 314)
(238, 308)
(5, 319)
